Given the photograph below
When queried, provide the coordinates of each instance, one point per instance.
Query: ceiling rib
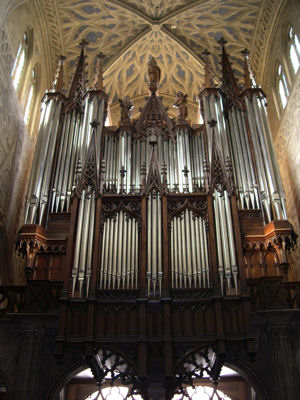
(182, 10)
(135, 11)
(183, 45)
(134, 41)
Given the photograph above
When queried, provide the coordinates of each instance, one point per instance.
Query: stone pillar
(29, 365)
(283, 361)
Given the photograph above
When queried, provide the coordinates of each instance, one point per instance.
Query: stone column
(29, 364)
(283, 360)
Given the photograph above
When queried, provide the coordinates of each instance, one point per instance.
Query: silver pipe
(228, 219)
(245, 147)
(117, 273)
(201, 255)
(225, 244)
(154, 237)
(111, 249)
(266, 154)
(90, 243)
(188, 247)
(66, 159)
(136, 264)
(192, 239)
(206, 261)
(128, 253)
(149, 223)
(104, 253)
(198, 251)
(175, 248)
(124, 243)
(239, 151)
(84, 243)
(112, 253)
(78, 241)
(172, 255)
(159, 247)
(219, 243)
(184, 251)
(59, 161)
(69, 176)
(179, 253)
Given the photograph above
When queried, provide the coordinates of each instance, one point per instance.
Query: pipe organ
(156, 204)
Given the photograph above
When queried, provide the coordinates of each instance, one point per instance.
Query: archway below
(231, 386)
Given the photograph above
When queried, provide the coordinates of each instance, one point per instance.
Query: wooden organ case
(155, 227)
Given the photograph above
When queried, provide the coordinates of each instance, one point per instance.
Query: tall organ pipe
(265, 185)
(189, 252)
(119, 253)
(39, 184)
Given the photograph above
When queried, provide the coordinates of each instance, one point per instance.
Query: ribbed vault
(129, 31)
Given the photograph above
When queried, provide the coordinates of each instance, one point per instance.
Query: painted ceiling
(128, 32)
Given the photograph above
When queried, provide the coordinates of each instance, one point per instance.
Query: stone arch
(69, 370)
(241, 365)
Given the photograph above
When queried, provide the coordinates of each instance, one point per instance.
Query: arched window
(283, 89)
(19, 63)
(294, 50)
(30, 97)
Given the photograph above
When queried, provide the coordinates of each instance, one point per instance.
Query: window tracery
(294, 50)
(283, 89)
(19, 63)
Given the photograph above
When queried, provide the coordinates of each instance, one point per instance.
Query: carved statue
(181, 105)
(126, 107)
(154, 74)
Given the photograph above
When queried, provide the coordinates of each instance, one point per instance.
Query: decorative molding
(260, 42)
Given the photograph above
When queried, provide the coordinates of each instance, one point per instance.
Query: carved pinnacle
(212, 123)
(222, 42)
(83, 43)
(94, 124)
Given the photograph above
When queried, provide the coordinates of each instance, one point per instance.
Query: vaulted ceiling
(176, 32)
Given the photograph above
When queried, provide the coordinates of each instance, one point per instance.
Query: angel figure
(126, 108)
(181, 105)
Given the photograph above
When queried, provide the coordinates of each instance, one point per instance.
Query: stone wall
(13, 151)
(285, 124)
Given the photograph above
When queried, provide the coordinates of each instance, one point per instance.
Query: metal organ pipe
(225, 241)
(37, 195)
(119, 253)
(189, 252)
(154, 246)
(262, 176)
(271, 167)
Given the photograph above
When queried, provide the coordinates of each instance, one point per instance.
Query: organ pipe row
(77, 155)
(154, 246)
(119, 253)
(189, 252)
(82, 264)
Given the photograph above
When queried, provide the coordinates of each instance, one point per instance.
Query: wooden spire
(98, 79)
(247, 79)
(229, 83)
(78, 84)
(58, 83)
(208, 77)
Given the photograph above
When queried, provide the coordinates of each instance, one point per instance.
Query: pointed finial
(59, 78)
(83, 44)
(98, 80)
(94, 124)
(208, 78)
(247, 79)
(222, 41)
